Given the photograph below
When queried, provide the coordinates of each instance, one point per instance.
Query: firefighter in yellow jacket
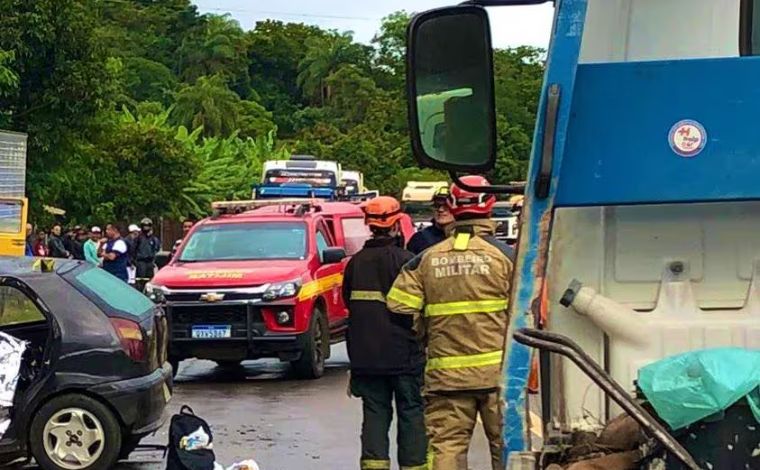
(458, 291)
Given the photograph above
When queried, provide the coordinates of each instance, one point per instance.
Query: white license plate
(211, 331)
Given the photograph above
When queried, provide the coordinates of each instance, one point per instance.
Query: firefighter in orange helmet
(457, 292)
(386, 358)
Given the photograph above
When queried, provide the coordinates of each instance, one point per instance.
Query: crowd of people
(131, 258)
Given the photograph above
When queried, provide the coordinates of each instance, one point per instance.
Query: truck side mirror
(333, 255)
(450, 90)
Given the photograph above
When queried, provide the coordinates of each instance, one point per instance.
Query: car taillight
(131, 338)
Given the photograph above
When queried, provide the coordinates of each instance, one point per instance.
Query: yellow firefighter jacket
(458, 291)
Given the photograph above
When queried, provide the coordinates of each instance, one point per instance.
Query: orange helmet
(462, 201)
(382, 212)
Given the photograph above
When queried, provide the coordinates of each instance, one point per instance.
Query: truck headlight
(281, 290)
(155, 292)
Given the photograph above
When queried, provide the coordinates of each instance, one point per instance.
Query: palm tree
(209, 104)
(324, 55)
(222, 49)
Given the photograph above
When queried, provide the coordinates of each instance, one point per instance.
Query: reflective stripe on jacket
(379, 342)
(458, 293)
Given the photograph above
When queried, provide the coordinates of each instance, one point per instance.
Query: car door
(22, 319)
(330, 277)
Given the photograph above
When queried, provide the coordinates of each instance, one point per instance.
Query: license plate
(211, 331)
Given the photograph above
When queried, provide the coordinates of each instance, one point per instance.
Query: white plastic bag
(11, 351)
(244, 465)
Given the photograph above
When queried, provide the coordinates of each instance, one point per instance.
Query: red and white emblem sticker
(688, 138)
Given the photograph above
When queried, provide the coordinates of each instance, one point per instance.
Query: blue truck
(639, 232)
(303, 176)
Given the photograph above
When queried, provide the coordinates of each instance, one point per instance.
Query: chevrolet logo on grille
(212, 297)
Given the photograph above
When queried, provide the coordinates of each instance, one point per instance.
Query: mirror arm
(544, 177)
(495, 189)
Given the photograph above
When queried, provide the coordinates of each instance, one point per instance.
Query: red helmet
(382, 212)
(462, 201)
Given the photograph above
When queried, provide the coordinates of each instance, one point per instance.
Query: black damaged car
(94, 378)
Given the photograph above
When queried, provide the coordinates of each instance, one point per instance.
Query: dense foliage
(147, 107)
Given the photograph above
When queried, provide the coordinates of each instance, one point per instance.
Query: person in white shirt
(115, 253)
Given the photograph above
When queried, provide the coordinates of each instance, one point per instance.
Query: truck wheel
(75, 432)
(311, 365)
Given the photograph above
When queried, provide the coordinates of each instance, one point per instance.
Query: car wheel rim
(74, 438)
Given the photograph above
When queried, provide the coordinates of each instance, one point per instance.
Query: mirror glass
(454, 88)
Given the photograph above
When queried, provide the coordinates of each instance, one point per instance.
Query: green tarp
(687, 388)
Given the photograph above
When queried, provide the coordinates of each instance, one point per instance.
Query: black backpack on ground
(183, 424)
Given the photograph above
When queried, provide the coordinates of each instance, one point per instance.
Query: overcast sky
(512, 26)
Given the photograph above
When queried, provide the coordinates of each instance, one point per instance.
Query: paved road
(260, 411)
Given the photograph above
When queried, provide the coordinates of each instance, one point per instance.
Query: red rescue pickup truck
(262, 282)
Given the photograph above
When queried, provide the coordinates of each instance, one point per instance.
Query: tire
(311, 364)
(81, 420)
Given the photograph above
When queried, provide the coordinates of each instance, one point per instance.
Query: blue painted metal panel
(618, 148)
(294, 191)
(534, 236)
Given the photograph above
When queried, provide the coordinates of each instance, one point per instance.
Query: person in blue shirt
(115, 253)
(435, 233)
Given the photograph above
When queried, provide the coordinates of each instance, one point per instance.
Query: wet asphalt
(260, 411)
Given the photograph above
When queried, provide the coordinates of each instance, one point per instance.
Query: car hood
(228, 274)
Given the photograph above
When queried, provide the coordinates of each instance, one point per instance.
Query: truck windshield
(352, 186)
(246, 241)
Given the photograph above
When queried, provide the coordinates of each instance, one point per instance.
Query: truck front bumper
(249, 337)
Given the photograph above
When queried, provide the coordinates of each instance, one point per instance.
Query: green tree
(518, 76)
(68, 67)
(229, 168)
(324, 55)
(8, 77)
(275, 51)
(153, 30)
(148, 80)
(351, 94)
(133, 166)
(63, 83)
(254, 120)
(390, 43)
(209, 104)
(221, 50)
(8, 82)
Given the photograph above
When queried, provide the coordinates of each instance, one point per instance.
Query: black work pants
(378, 393)
(144, 272)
